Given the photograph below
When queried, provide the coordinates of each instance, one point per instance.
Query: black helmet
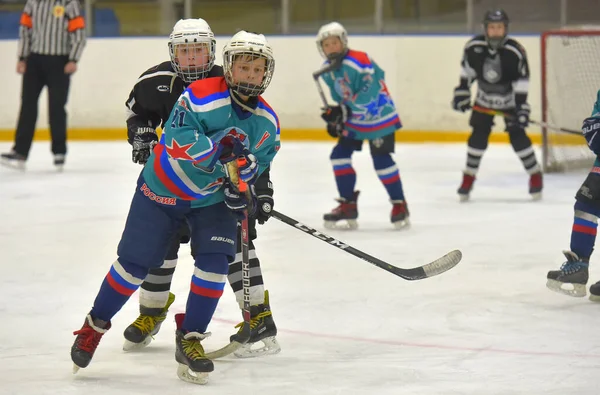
(492, 17)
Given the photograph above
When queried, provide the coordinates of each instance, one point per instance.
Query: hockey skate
(572, 277)
(400, 214)
(536, 184)
(347, 211)
(59, 161)
(13, 160)
(86, 342)
(194, 367)
(465, 188)
(141, 332)
(595, 292)
(262, 329)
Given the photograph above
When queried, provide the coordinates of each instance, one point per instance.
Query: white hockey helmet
(249, 45)
(333, 29)
(191, 32)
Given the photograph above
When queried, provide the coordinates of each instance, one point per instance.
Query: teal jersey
(359, 84)
(184, 165)
(596, 109)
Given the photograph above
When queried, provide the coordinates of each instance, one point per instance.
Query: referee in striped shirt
(51, 40)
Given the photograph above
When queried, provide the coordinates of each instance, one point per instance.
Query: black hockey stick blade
(325, 69)
(431, 269)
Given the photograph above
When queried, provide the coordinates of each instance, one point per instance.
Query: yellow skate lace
(146, 323)
(193, 349)
(254, 321)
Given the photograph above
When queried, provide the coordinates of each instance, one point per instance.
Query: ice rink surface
(488, 326)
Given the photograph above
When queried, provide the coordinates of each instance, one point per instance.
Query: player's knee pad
(382, 161)
(212, 263)
(341, 152)
(518, 138)
(588, 195)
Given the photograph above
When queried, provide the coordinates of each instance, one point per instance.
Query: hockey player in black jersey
(499, 65)
(192, 52)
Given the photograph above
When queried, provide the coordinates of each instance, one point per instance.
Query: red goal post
(570, 63)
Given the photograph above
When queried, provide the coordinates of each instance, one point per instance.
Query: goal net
(570, 79)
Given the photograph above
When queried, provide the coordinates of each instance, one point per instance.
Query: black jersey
(502, 75)
(155, 93)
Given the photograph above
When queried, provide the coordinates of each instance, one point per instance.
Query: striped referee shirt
(52, 27)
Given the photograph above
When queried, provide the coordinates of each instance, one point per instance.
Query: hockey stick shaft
(489, 111)
(431, 269)
(316, 75)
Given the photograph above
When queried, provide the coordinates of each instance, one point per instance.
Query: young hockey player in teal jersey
(572, 277)
(365, 111)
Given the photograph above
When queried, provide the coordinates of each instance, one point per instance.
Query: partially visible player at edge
(364, 111)
(499, 65)
(572, 277)
(215, 121)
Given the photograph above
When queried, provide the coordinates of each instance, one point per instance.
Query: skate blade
(403, 224)
(536, 196)
(75, 369)
(595, 298)
(463, 198)
(185, 374)
(20, 165)
(569, 289)
(129, 346)
(349, 224)
(270, 346)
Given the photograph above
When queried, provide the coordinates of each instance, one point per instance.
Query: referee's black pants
(43, 70)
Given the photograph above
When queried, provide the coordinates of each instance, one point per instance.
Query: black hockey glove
(143, 139)
(590, 128)
(336, 116)
(265, 203)
(237, 202)
(462, 100)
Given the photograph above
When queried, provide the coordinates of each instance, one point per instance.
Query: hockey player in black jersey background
(192, 52)
(499, 65)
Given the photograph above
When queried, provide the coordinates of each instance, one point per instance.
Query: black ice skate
(595, 292)
(13, 160)
(59, 161)
(400, 214)
(572, 277)
(141, 332)
(262, 329)
(346, 211)
(84, 347)
(465, 188)
(536, 184)
(194, 366)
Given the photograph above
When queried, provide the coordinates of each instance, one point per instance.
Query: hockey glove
(264, 192)
(590, 128)
(523, 115)
(336, 116)
(237, 202)
(143, 139)
(462, 100)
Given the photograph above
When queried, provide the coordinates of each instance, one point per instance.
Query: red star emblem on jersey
(177, 151)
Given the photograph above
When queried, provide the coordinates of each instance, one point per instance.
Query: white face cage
(247, 47)
(333, 29)
(188, 42)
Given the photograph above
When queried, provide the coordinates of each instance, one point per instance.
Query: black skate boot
(536, 184)
(141, 332)
(13, 160)
(572, 277)
(400, 214)
(465, 188)
(59, 161)
(262, 329)
(346, 211)
(595, 292)
(194, 366)
(84, 347)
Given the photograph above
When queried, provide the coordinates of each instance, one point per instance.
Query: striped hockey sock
(585, 226)
(389, 175)
(257, 288)
(154, 291)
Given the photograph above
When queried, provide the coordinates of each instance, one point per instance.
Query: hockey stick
(244, 334)
(489, 111)
(319, 73)
(431, 269)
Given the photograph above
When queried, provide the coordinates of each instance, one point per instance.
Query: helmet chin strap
(238, 100)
